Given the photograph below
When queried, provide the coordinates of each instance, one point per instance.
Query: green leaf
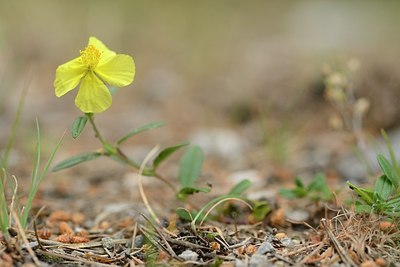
(383, 187)
(298, 182)
(388, 170)
(288, 193)
(184, 214)
(391, 152)
(186, 191)
(37, 178)
(187, 215)
(78, 125)
(318, 183)
(366, 195)
(240, 187)
(190, 166)
(75, 160)
(362, 208)
(165, 153)
(297, 192)
(143, 128)
(260, 210)
(320, 188)
(394, 201)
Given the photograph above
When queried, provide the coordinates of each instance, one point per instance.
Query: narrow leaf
(387, 169)
(394, 201)
(366, 195)
(190, 166)
(391, 152)
(75, 160)
(240, 187)
(298, 182)
(143, 128)
(362, 208)
(383, 187)
(165, 153)
(184, 214)
(78, 125)
(288, 193)
(35, 180)
(260, 210)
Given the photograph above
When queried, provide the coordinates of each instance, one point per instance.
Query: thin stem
(117, 153)
(96, 131)
(130, 162)
(158, 176)
(121, 155)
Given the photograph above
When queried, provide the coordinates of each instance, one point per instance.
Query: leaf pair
(317, 189)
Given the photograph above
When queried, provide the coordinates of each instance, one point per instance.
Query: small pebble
(297, 215)
(240, 263)
(258, 260)
(189, 255)
(139, 240)
(107, 242)
(265, 248)
(287, 242)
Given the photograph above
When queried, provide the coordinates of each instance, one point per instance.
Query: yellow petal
(106, 53)
(93, 95)
(118, 71)
(68, 76)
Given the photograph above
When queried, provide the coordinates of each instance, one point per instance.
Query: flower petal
(106, 53)
(68, 76)
(118, 71)
(93, 95)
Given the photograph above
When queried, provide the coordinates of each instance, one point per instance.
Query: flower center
(90, 56)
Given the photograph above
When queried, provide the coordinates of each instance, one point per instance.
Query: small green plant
(190, 170)
(384, 197)
(37, 176)
(316, 190)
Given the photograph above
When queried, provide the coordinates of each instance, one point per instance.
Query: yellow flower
(95, 66)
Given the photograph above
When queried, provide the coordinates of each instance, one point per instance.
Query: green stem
(115, 151)
(131, 163)
(96, 131)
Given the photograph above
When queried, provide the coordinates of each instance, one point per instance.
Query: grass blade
(3, 203)
(37, 179)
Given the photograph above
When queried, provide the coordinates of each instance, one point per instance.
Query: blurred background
(241, 78)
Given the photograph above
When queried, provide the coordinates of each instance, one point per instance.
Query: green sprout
(316, 190)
